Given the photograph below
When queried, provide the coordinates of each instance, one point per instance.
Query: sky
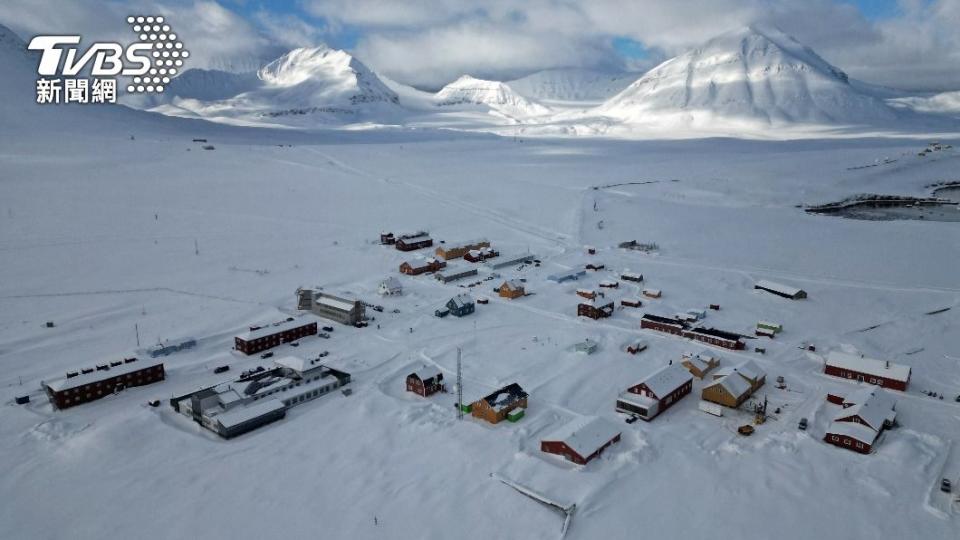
(907, 44)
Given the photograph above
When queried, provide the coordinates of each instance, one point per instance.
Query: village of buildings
(677, 364)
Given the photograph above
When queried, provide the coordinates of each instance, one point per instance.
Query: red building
(720, 338)
(581, 440)
(662, 324)
(413, 242)
(868, 370)
(865, 413)
(425, 382)
(415, 268)
(93, 384)
(594, 311)
(261, 338)
(656, 393)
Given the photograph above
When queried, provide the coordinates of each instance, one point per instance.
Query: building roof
(778, 287)
(585, 435)
(713, 332)
(505, 396)
(464, 244)
(239, 415)
(661, 320)
(666, 379)
(748, 369)
(64, 383)
(274, 328)
(628, 274)
(735, 386)
(391, 283)
(637, 399)
(295, 363)
(871, 403)
(414, 239)
(426, 373)
(869, 366)
(560, 276)
(853, 430)
(335, 302)
(512, 284)
(461, 300)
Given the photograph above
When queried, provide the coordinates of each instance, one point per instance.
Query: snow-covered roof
(334, 302)
(512, 284)
(391, 283)
(295, 363)
(608, 282)
(626, 274)
(637, 399)
(505, 396)
(652, 291)
(63, 383)
(274, 328)
(779, 287)
(585, 435)
(461, 300)
(735, 386)
(427, 372)
(239, 415)
(748, 369)
(872, 404)
(414, 239)
(666, 379)
(854, 430)
(869, 366)
(467, 243)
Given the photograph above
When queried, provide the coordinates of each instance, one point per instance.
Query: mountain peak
(754, 73)
(468, 90)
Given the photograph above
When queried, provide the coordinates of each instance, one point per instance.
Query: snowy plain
(113, 219)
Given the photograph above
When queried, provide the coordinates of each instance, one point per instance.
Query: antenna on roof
(459, 388)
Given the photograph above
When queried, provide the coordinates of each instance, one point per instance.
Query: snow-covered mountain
(317, 83)
(753, 75)
(573, 84)
(496, 95)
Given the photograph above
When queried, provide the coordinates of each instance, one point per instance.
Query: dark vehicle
(803, 424)
(266, 355)
(378, 309)
(221, 369)
(946, 486)
(395, 311)
(631, 419)
(324, 353)
(295, 344)
(22, 400)
(324, 335)
(154, 403)
(327, 329)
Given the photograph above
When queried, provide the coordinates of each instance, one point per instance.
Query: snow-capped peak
(755, 73)
(497, 95)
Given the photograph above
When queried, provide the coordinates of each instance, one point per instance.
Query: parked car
(378, 308)
(803, 424)
(946, 486)
(221, 369)
(295, 344)
(395, 310)
(327, 329)
(266, 355)
(324, 335)
(324, 353)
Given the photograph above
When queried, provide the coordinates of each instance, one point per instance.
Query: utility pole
(459, 388)
(136, 328)
(196, 247)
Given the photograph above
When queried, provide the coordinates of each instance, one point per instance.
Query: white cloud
(430, 42)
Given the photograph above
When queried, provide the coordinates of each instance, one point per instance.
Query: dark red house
(261, 338)
(594, 310)
(662, 324)
(415, 268)
(93, 384)
(712, 336)
(413, 242)
(657, 392)
(581, 440)
(425, 382)
(862, 369)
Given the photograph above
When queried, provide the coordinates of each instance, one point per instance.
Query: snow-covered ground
(98, 236)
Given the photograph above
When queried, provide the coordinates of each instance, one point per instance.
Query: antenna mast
(459, 389)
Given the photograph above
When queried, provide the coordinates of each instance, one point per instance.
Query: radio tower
(459, 389)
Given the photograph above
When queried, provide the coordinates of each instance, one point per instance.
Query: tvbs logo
(150, 63)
